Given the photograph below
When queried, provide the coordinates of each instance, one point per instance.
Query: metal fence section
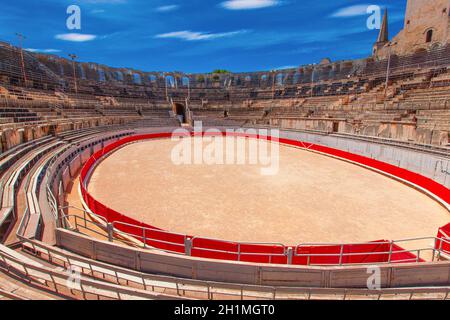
(212, 290)
(316, 254)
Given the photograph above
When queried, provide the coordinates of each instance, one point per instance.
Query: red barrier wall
(372, 252)
(444, 233)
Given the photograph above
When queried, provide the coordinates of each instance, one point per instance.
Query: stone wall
(402, 131)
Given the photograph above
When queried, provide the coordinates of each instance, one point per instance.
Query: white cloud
(285, 67)
(352, 11)
(76, 37)
(249, 4)
(167, 8)
(197, 36)
(43, 50)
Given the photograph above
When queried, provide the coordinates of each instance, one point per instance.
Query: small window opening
(429, 36)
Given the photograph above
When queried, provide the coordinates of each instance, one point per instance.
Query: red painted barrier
(372, 252)
(400, 256)
(444, 239)
(228, 250)
(331, 254)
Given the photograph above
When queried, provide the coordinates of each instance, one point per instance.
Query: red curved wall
(371, 252)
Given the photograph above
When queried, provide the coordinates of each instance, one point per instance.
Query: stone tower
(383, 36)
(426, 25)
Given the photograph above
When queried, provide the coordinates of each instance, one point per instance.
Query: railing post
(144, 238)
(59, 222)
(341, 254)
(187, 246)
(290, 254)
(434, 249)
(239, 252)
(440, 248)
(208, 289)
(390, 251)
(110, 229)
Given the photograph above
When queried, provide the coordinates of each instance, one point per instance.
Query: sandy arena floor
(313, 198)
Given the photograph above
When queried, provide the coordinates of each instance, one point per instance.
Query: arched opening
(279, 79)
(429, 36)
(101, 75)
(296, 77)
(185, 81)
(170, 81)
(119, 76)
(137, 78)
(180, 111)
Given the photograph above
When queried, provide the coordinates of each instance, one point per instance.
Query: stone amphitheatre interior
(361, 159)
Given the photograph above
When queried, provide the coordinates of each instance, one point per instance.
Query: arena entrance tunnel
(180, 111)
(379, 251)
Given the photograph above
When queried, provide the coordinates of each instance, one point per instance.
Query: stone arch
(279, 79)
(185, 81)
(170, 81)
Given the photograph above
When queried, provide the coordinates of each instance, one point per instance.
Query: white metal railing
(75, 222)
(419, 253)
(58, 281)
(110, 232)
(239, 252)
(144, 234)
(209, 289)
(440, 164)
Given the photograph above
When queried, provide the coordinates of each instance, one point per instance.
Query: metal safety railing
(74, 222)
(144, 237)
(367, 254)
(57, 281)
(212, 290)
(241, 254)
(287, 255)
(111, 231)
(414, 255)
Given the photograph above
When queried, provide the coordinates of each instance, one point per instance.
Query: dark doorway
(181, 112)
(335, 127)
(429, 36)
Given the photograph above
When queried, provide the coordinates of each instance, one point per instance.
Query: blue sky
(199, 35)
